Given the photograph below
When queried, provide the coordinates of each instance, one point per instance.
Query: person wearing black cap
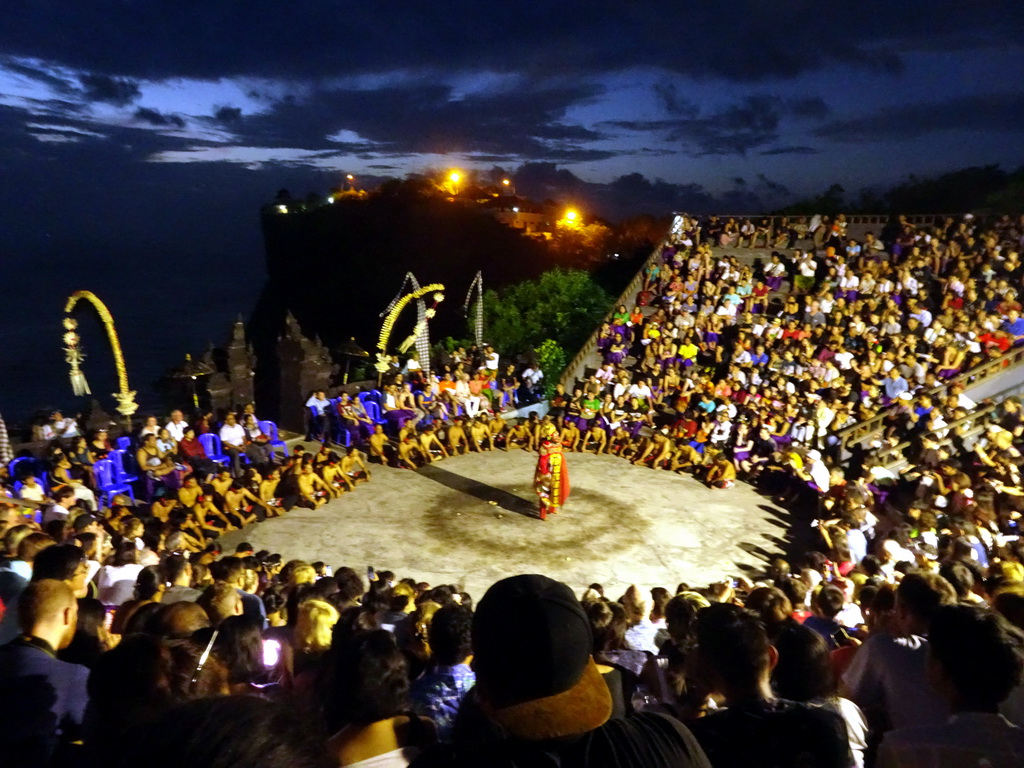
(537, 681)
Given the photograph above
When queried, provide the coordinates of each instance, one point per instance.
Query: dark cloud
(734, 130)
(810, 107)
(751, 41)
(158, 119)
(799, 149)
(528, 122)
(112, 90)
(634, 193)
(227, 115)
(1001, 113)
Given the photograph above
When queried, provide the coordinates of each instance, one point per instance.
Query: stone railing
(970, 425)
(1008, 361)
(577, 365)
(872, 219)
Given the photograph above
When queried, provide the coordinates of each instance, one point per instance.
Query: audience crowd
(894, 638)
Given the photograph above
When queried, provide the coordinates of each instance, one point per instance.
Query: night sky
(138, 139)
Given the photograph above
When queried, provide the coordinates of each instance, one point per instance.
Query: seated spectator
(975, 659)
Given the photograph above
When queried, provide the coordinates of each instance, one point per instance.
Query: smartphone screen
(271, 653)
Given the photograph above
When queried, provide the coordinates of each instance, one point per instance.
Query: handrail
(857, 218)
(1013, 358)
(571, 370)
(970, 418)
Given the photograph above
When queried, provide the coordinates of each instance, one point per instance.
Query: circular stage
(471, 520)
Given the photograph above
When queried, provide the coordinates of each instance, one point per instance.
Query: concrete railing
(1011, 360)
(852, 219)
(893, 457)
(578, 364)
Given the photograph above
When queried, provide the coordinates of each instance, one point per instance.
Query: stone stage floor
(621, 525)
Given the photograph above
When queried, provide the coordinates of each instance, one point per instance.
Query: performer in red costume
(551, 481)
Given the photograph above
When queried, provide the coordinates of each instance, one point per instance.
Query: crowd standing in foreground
(123, 648)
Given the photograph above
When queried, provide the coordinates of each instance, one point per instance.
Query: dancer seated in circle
(570, 434)
(518, 435)
(457, 441)
(333, 476)
(721, 473)
(409, 453)
(431, 445)
(658, 448)
(480, 435)
(599, 435)
(380, 447)
(497, 427)
(313, 491)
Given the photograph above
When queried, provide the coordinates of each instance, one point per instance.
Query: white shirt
(532, 376)
(819, 474)
(177, 430)
(808, 267)
(643, 392)
(320, 405)
(117, 583)
(232, 435)
(491, 361)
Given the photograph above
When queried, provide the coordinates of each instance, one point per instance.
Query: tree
(563, 305)
(551, 359)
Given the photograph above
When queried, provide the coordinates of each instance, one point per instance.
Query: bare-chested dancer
(658, 447)
(480, 436)
(431, 444)
(380, 448)
(599, 436)
(457, 441)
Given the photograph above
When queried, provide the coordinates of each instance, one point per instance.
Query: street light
(506, 182)
(350, 177)
(454, 177)
(571, 215)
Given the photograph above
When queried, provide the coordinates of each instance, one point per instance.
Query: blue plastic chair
(212, 447)
(117, 457)
(124, 443)
(22, 467)
(107, 483)
(373, 411)
(269, 429)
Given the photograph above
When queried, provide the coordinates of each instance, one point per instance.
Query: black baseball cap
(532, 648)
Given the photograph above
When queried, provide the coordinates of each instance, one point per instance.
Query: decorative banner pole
(478, 324)
(126, 404)
(393, 311)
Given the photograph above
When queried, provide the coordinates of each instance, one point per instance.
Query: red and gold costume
(551, 481)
